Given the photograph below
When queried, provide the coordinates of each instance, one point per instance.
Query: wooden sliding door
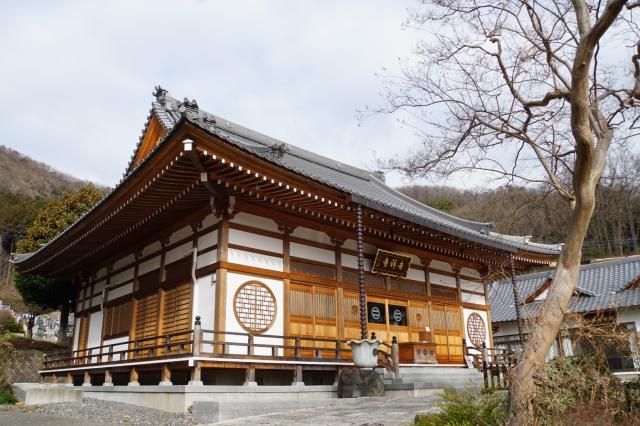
(447, 333)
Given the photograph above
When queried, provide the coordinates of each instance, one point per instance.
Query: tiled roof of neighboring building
(601, 285)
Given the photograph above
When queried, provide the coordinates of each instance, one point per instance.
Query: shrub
(7, 397)
(468, 408)
(568, 382)
(8, 323)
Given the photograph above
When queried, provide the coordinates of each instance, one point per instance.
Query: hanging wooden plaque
(391, 264)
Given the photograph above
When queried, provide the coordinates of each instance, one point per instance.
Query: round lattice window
(476, 329)
(255, 306)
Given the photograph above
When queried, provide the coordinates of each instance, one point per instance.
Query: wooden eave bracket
(220, 204)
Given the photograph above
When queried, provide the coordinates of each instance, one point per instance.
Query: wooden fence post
(484, 365)
(395, 357)
(196, 370)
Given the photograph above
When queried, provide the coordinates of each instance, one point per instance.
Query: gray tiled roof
(600, 286)
(365, 187)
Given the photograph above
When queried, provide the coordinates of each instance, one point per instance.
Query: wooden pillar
(69, 379)
(196, 374)
(87, 379)
(133, 377)
(339, 312)
(54, 379)
(297, 376)
(456, 270)
(166, 376)
(250, 376)
(108, 379)
(286, 230)
(221, 283)
(486, 277)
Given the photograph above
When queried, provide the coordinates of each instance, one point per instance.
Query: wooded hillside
(543, 215)
(25, 186)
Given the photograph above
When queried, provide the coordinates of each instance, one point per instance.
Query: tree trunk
(552, 311)
(64, 325)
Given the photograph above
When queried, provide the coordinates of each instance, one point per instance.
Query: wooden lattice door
(447, 334)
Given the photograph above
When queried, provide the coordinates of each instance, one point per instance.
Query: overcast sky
(77, 77)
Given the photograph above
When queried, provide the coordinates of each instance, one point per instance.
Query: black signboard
(397, 315)
(391, 264)
(376, 313)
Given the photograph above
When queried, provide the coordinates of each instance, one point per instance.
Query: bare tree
(525, 91)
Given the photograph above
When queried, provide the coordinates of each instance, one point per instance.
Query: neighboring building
(268, 244)
(607, 288)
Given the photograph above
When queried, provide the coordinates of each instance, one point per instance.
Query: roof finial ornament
(278, 150)
(160, 94)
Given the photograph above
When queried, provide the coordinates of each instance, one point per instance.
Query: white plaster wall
(124, 346)
(312, 235)
(149, 265)
(350, 261)
(470, 272)
(124, 261)
(443, 280)
(207, 258)
(99, 286)
(473, 298)
(178, 253)
(96, 300)
(180, 234)
(508, 329)
(204, 305)
(101, 272)
(368, 248)
(76, 328)
(442, 266)
(254, 259)
(471, 286)
(255, 221)
(95, 332)
(209, 220)
(487, 325)
(249, 239)
(151, 248)
(207, 240)
(234, 281)
(416, 274)
(629, 315)
(120, 291)
(313, 253)
(123, 276)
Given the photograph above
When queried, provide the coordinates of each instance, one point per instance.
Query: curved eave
(441, 226)
(24, 261)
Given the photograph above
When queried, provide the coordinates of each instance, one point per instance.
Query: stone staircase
(422, 381)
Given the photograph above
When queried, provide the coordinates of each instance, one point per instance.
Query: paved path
(363, 411)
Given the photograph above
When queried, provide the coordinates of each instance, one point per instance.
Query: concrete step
(413, 379)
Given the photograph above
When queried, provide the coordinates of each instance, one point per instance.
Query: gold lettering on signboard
(391, 263)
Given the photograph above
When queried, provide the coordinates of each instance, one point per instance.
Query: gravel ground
(93, 411)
